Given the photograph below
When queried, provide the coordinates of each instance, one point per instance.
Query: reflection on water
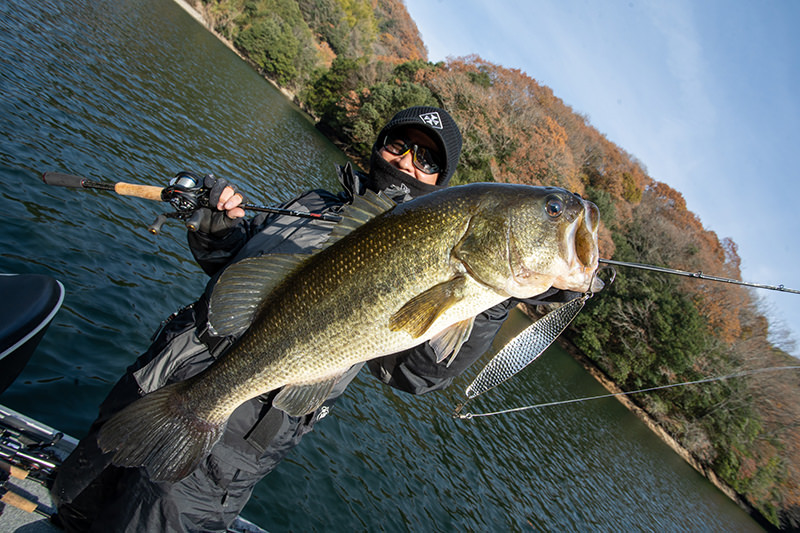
(135, 91)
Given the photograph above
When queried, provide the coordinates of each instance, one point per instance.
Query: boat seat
(29, 302)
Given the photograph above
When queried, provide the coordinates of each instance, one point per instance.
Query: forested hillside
(353, 63)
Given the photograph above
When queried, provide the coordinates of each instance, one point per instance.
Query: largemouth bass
(391, 277)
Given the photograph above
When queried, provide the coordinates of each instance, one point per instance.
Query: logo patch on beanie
(432, 119)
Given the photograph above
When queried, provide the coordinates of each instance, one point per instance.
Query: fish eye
(554, 207)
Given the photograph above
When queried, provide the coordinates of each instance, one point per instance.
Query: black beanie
(439, 125)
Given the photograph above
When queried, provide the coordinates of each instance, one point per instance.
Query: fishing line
(698, 275)
(469, 416)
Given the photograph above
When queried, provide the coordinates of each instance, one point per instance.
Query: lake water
(136, 90)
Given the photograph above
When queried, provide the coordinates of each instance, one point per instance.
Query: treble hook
(597, 275)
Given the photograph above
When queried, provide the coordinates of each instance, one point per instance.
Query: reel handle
(193, 222)
(155, 227)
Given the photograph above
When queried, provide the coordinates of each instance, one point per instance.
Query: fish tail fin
(160, 433)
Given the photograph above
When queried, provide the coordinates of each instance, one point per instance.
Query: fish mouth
(584, 254)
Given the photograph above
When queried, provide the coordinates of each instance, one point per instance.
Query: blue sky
(705, 94)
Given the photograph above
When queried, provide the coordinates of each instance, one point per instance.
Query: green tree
(272, 46)
(376, 106)
(328, 86)
(326, 18)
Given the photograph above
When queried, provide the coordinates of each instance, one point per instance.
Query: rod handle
(15, 500)
(13, 471)
(63, 180)
(148, 192)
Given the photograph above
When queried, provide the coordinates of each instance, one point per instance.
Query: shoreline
(198, 16)
(643, 415)
(566, 344)
(660, 432)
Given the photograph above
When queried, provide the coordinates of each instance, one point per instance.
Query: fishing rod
(185, 193)
(698, 275)
(12, 498)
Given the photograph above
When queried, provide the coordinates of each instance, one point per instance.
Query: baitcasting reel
(187, 194)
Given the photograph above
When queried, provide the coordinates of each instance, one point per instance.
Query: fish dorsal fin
(298, 399)
(448, 343)
(421, 311)
(243, 286)
(363, 209)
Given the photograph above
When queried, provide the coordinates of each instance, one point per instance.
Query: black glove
(209, 220)
(216, 186)
(213, 223)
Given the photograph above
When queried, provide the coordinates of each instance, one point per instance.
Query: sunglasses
(424, 159)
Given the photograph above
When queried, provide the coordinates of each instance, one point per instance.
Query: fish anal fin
(448, 343)
(298, 399)
(421, 311)
(242, 287)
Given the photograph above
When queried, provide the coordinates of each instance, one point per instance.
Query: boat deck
(16, 430)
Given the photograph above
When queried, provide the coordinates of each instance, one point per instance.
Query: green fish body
(391, 277)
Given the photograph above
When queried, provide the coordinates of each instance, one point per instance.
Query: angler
(415, 154)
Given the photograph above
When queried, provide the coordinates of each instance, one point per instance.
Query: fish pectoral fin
(298, 399)
(448, 343)
(421, 311)
(242, 287)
